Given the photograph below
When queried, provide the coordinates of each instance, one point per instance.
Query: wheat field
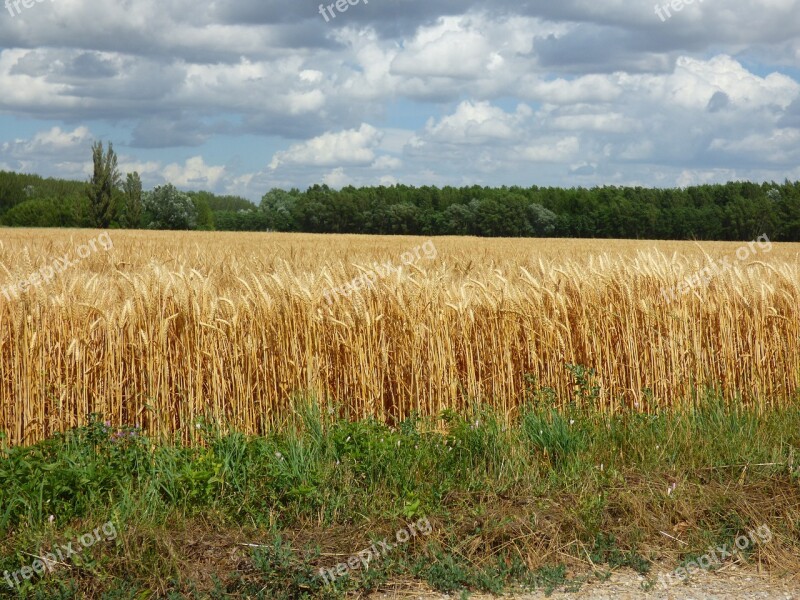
(165, 329)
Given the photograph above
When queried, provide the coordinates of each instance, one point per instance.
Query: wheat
(167, 328)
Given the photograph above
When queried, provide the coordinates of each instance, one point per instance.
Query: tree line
(732, 211)
(107, 200)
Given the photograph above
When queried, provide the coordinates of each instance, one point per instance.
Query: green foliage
(736, 211)
(606, 551)
(168, 208)
(279, 207)
(477, 441)
(492, 489)
(205, 218)
(241, 220)
(541, 221)
(587, 389)
(103, 184)
(41, 213)
(47, 202)
(132, 189)
(449, 572)
(553, 435)
(225, 203)
(445, 573)
(200, 479)
(288, 576)
(68, 474)
(12, 186)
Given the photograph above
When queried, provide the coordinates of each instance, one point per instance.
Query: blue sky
(242, 97)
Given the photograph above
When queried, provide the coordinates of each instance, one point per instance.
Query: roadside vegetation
(536, 499)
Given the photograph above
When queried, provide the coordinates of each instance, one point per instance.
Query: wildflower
(572, 421)
(51, 518)
(279, 456)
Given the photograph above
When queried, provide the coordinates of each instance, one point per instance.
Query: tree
(41, 213)
(205, 218)
(11, 190)
(542, 222)
(401, 219)
(491, 218)
(169, 208)
(279, 206)
(132, 189)
(458, 219)
(100, 190)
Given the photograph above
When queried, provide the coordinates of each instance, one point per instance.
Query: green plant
(287, 575)
(554, 435)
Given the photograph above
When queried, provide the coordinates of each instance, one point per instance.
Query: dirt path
(722, 585)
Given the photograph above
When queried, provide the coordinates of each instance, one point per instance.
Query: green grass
(259, 516)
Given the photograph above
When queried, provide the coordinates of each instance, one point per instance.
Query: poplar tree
(100, 190)
(133, 200)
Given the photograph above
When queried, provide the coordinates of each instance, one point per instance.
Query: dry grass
(168, 327)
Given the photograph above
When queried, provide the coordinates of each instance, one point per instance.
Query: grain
(168, 328)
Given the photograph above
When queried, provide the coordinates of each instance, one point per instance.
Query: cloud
(781, 146)
(336, 179)
(451, 48)
(424, 91)
(384, 163)
(477, 123)
(194, 173)
(54, 151)
(553, 150)
(350, 147)
(163, 132)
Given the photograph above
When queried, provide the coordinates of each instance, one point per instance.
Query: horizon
(241, 99)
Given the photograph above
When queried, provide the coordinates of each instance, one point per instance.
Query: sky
(242, 96)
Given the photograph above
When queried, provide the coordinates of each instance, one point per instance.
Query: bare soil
(723, 584)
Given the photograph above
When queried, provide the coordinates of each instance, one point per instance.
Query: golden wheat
(168, 328)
